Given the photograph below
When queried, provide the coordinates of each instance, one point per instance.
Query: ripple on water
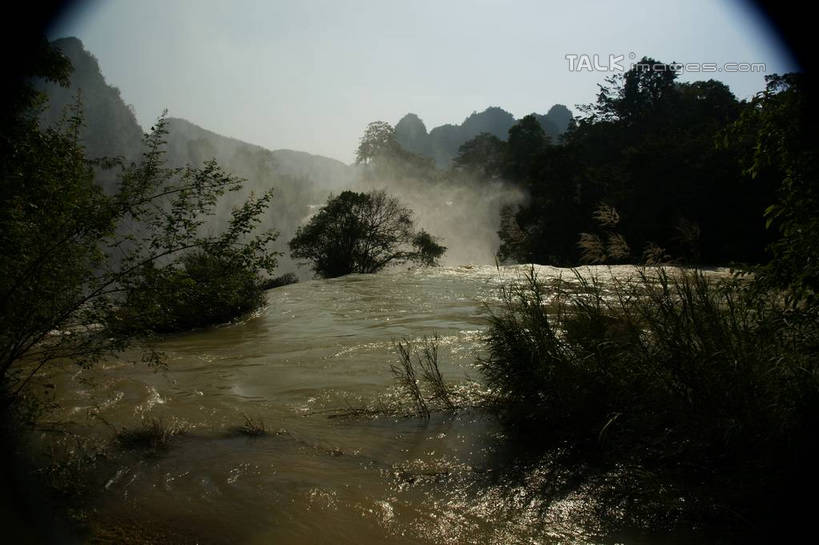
(320, 347)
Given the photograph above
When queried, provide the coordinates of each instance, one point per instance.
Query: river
(315, 353)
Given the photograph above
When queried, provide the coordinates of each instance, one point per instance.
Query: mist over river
(317, 350)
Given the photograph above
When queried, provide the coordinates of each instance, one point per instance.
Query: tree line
(684, 167)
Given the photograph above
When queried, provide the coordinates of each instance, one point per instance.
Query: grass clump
(404, 373)
(152, 435)
(710, 383)
(425, 362)
(252, 427)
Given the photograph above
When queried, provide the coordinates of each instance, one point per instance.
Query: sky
(310, 75)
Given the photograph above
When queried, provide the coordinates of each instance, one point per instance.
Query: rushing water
(318, 349)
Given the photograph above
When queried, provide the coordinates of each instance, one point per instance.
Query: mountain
(300, 180)
(190, 143)
(465, 215)
(442, 143)
(111, 128)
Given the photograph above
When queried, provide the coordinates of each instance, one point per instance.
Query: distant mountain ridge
(110, 126)
(466, 215)
(190, 143)
(442, 143)
(110, 129)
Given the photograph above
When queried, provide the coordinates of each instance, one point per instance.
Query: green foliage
(378, 140)
(279, 281)
(779, 145)
(701, 380)
(362, 233)
(527, 141)
(635, 95)
(382, 155)
(74, 258)
(199, 290)
(214, 282)
(52, 218)
(483, 156)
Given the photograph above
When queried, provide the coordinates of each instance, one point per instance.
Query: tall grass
(153, 435)
(438, 392)
(707, 379)
(404, 373)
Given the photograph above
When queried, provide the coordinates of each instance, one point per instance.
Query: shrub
(702, 379)
(106, 269)
(362, 233)
(203, 289)
(279, 281)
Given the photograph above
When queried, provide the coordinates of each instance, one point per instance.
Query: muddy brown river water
(317, 350)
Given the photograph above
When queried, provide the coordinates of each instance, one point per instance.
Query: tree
(362, 233)
(779, 144)
(648, 147)
(636, 94)
(382, 155)
(378, 140)
(75, 261)
(427, 249)
(200, 289)
(483, 156)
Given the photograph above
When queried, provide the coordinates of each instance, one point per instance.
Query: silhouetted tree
(378, 140)
(637, 93)
(779, 145)
(483, 156)
(362, 233)
(648, 147)
(383, 157)
(527, 141)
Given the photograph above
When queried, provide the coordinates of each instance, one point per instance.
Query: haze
(310, 75)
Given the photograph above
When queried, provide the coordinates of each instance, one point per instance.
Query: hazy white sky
(309, 75)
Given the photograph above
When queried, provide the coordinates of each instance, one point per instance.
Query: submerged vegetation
(411, 361)
(252, 427)
(153, 435)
